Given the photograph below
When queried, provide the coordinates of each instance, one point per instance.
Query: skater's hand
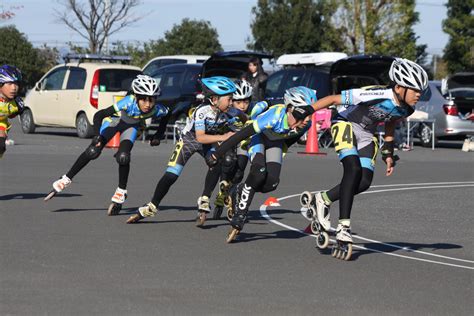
(227, 135)
(390, 161)
(155, 142)
(97, 140)
(211, 161)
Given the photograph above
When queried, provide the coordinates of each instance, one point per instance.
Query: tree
(459, 52)
(190, 37)
(98, 20)
(294, 26)
(379, 27)
(19, 52)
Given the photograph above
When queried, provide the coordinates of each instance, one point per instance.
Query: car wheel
(83, 127)
(426, 137)
(27, 123)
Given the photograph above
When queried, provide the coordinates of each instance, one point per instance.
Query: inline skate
(118, 199)
(58, 186)
(308, 203)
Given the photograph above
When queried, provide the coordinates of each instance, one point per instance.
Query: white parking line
(265, 215)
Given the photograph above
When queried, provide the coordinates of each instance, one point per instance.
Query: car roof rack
(97, 57)
(315, 59)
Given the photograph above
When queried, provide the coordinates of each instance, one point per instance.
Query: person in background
(257, 78)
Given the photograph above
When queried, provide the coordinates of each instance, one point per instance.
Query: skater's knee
(239, 175)
(256, 177)
(170, 178)
(123, 157)
(365, 181)
(228, 163)
(93, 152)
(271, 183)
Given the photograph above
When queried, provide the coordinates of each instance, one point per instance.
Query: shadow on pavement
(409, 247)
(33, 196)
(281, 234)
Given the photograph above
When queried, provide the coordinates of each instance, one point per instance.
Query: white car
(70, 94)
(156, 63)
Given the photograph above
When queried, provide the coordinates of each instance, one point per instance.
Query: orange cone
(312, 146)
(114, 142)
(272, 201)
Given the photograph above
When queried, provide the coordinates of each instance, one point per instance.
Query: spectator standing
(257, 78)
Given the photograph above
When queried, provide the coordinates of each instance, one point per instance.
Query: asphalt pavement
(413, 239)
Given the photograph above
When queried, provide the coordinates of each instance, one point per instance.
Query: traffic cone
(114, 142)
(312, 146)
(272, 201)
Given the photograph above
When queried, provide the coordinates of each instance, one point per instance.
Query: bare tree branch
(98, 21)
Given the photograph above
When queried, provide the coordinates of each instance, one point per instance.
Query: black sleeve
(234, 140)
(100, 115)
(162, 127)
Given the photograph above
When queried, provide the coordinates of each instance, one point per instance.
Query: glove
(155, 142)
(97, 139)
(211, 161)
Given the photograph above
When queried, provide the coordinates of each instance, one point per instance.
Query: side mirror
(37, 86)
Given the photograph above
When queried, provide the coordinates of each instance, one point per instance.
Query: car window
(294, 77)
(426, 94)
(273, 85)
(319, 81)
(158, 76)
(190, 83)
(114, 80)
(77, 78)
(152, 68)
(54, 81)
(171, 80)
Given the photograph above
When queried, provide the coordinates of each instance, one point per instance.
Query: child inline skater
(353, 133)
(207, 126)
(127, 116)
(269, 132)
(10, 103)
(232, 167)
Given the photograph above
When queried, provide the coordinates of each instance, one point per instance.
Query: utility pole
(107, 20)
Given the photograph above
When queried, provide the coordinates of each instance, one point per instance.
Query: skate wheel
(322, 241)
(305, 199)
(227, 201)
(232, 235)
(201, 219)
(133, 219)
(114, 209)
(348, 252)
(217, 212)
(335, 251)
(50, 195)
(315, 228)
(230, 214)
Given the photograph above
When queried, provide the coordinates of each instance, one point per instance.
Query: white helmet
(244, 90)
(408, 74)
(145, 85)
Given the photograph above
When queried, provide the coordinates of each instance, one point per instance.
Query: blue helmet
(218, 85)
(300, 96)
(9, 74)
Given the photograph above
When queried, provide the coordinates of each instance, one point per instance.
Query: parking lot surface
(413, 239)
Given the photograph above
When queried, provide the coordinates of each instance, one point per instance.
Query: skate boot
(58, 186)
(322, 211)
(117, 200)
(343, 248)
(147, 210)
(220, 201)
(203, 210)
(237, 223)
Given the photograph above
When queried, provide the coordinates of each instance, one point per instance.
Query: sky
(232, 19)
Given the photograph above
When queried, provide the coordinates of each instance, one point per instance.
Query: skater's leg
(273, 161)
(123, 155)
(212, 178)
(240, 169)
